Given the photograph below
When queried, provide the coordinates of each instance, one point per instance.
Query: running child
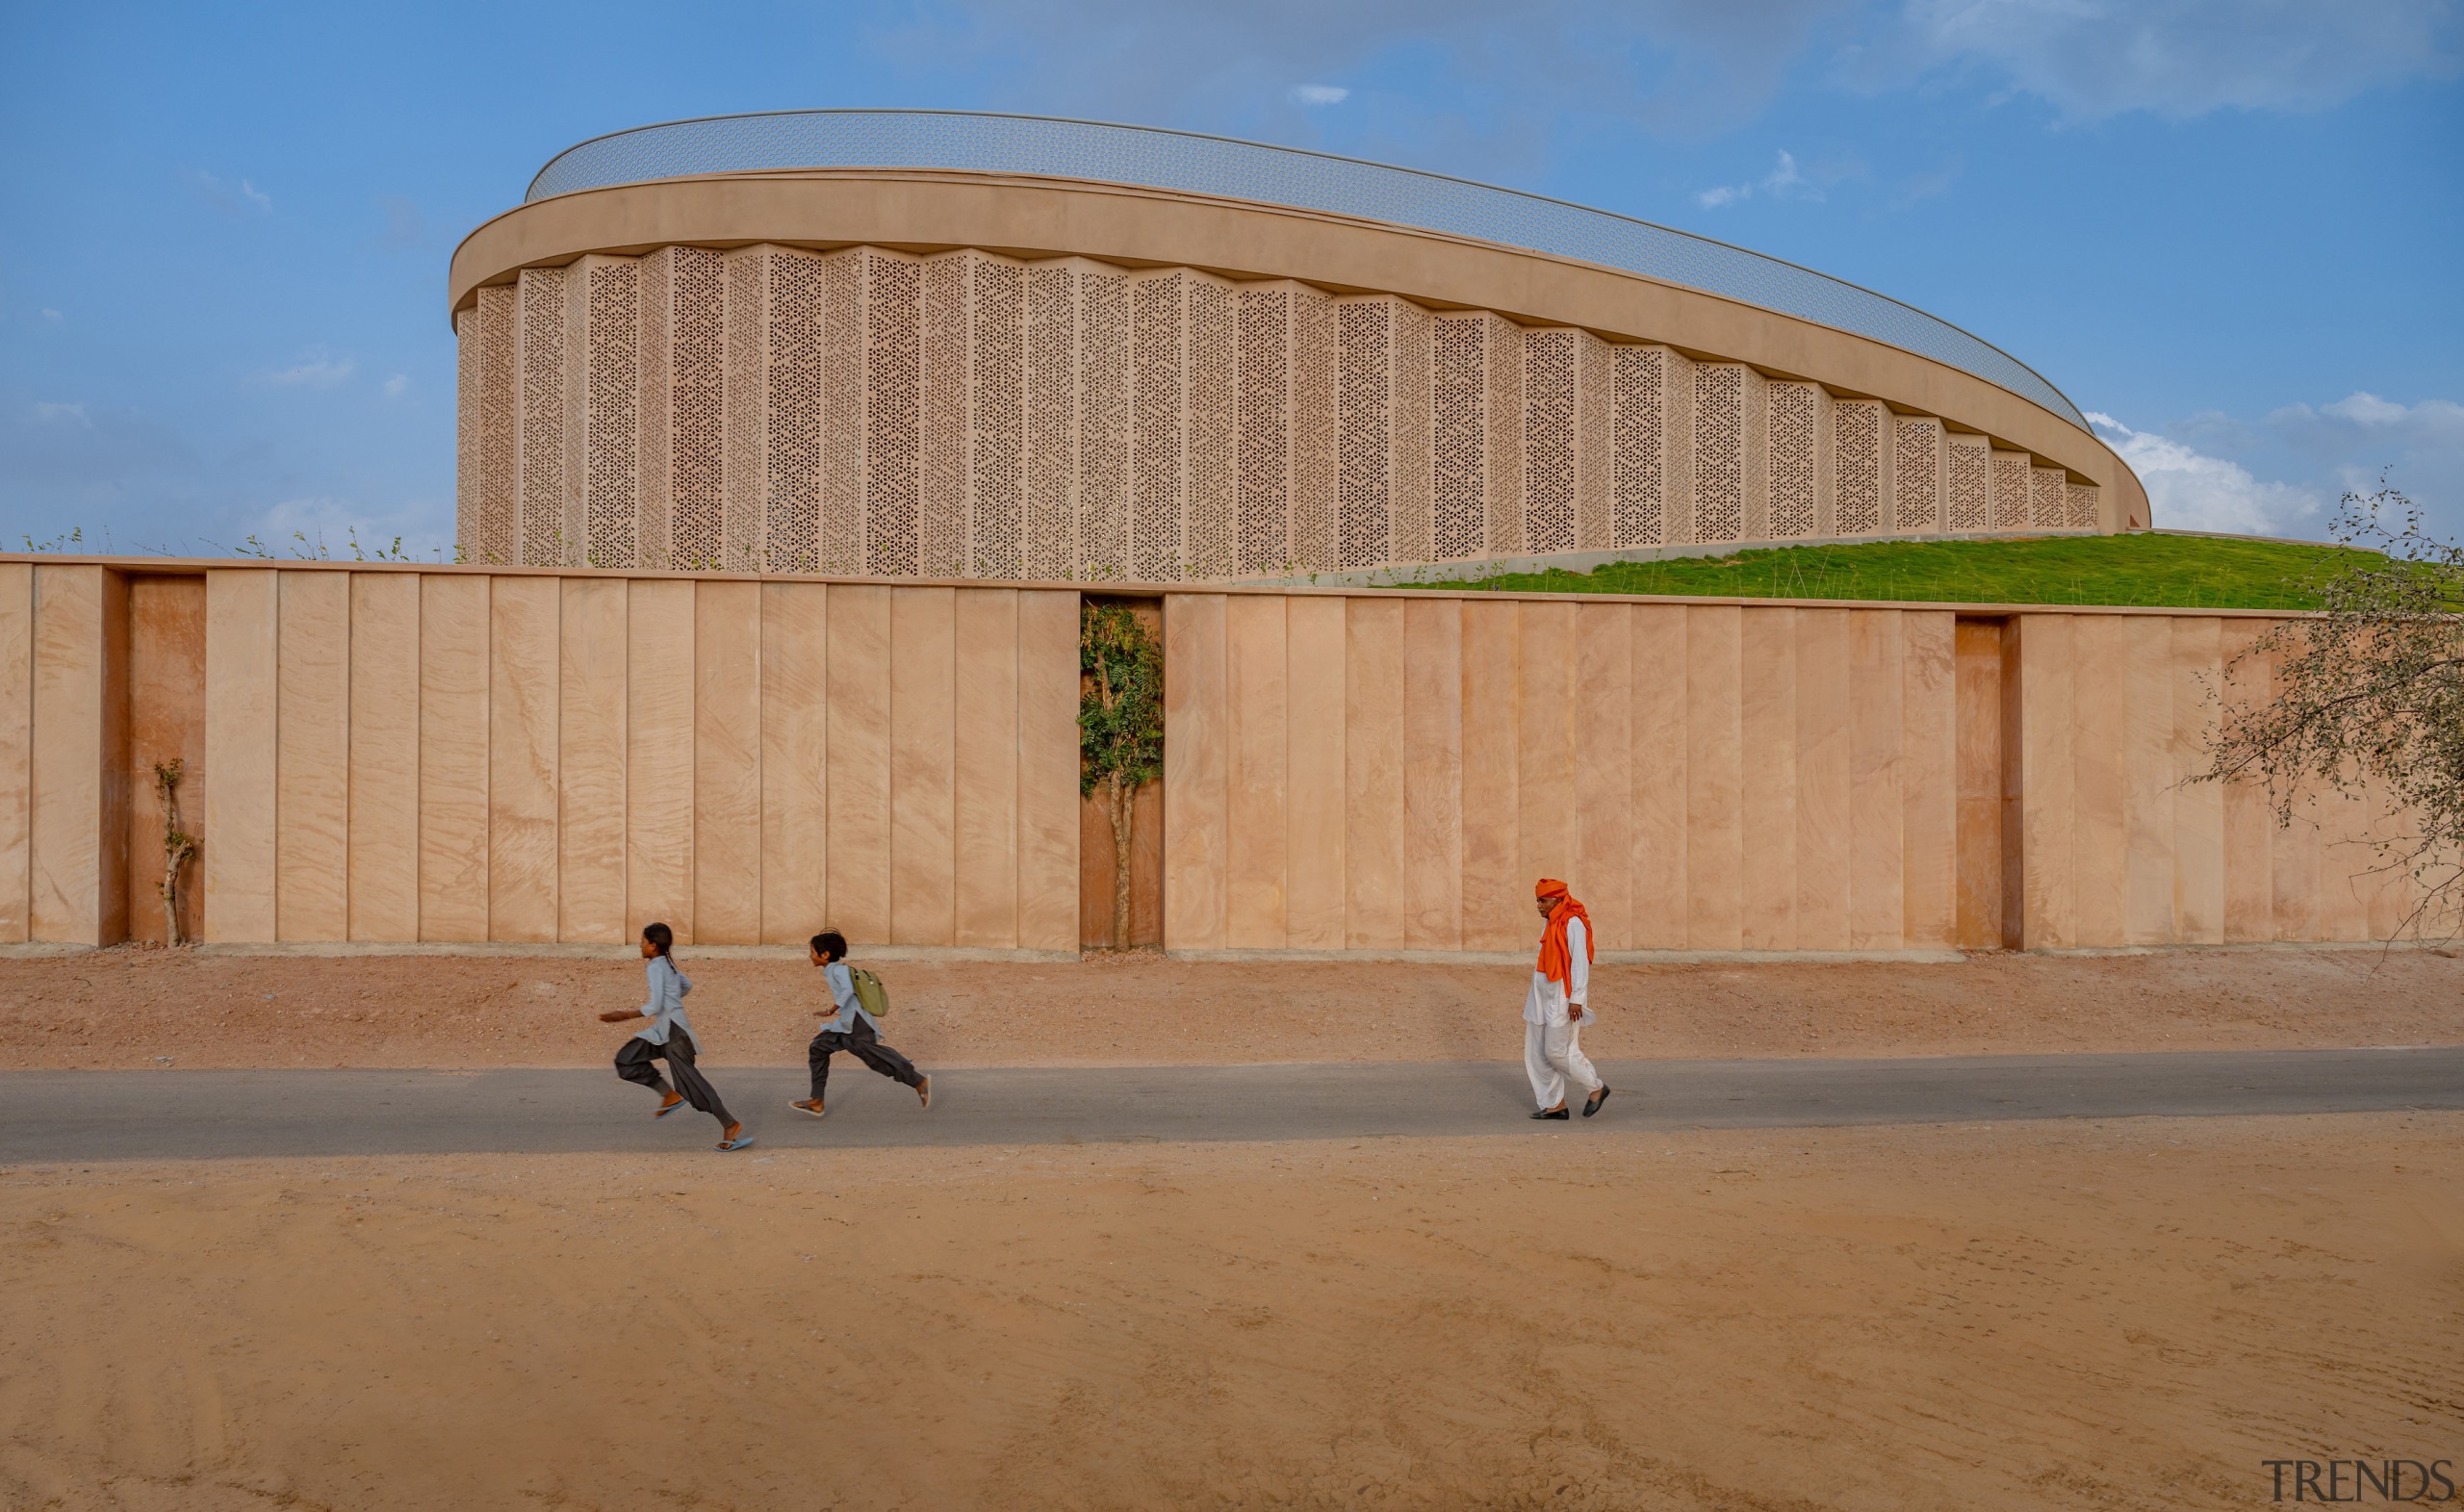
(850, 1029)
(670, 1038)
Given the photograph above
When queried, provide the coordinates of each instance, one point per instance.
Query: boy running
(670, 1038)
(850, 1029)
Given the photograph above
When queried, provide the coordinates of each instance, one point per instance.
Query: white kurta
(1551, 1038)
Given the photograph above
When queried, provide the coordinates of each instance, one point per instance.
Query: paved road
(116, 1115)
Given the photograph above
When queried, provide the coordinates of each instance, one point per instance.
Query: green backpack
(870, 994)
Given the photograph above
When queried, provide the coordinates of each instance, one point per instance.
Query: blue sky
(2230, 228)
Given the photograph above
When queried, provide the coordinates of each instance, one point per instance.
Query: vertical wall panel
(1916, 474)
(1051, 497)
(1768, 721)
(79, 824)
(923, 634)
(1159, 423)
(1547, 826)
(1366, 459)
(860, 761)
(241, 621)
(1658, 775)
(1375, 690)
(1800, 475)
(1255, 635)
(659, 755)
(795, 761)
(1651, 445)
(2006, 490)
(1929, 778)
(1877, 802)
(1103, 422)
(1048, 772)
(1825, 849)
(942, 518)
(312, 760)
(2148, 792)
(727, 763)
(996, 395)
(453, 757)
(1966, 482)
(590, 763)
(1434, 774)
(2048, 497)
(1496, 906)
(540, 475)
(1714, 782)
(1314, 743)
(1197, 740)
(384, 880)
(1731, 409)
(985, 823)
(2249, 828)
(2196, 647)
(1860, 437)
(2048, 652)
(17, 746)
(893, 411)
(2100, 864)
(1603, 770)
(523, 710)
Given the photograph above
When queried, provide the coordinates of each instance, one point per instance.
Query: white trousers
(1552, 1056)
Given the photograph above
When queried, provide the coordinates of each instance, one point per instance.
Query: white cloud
(231, 199)
(1783, 182)
(53, 316)
(2177, 58)
(2190, 490)
(315, 371)
(61, 414)
(397, 385)
(1318, 94)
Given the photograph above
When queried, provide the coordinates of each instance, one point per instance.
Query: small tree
(1121, 728)
(2369, 696)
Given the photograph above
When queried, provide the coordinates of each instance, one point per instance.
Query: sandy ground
(2122, 1316)
(135, 1007)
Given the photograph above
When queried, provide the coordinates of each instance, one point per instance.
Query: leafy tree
(2369, 696)
(1120, 727)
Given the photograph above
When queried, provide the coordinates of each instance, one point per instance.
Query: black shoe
(1591, 1104)
(1553, 1113)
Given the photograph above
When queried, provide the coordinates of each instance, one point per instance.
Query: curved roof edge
(1193, 163)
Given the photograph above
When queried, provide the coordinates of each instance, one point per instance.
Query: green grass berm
(2148, 569)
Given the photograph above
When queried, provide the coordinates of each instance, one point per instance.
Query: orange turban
(1556, 960)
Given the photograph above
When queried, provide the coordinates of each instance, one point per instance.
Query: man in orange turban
(1554, 1012)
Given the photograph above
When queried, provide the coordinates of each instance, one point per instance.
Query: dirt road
(2126, 1316)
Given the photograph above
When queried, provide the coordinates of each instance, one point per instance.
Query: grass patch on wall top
(2147, 568)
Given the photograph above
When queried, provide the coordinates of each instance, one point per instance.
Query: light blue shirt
(842, 991)
(666, 1007)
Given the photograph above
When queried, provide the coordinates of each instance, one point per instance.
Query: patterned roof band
(1189, 162)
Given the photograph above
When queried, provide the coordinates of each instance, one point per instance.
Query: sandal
(809, 1108)
(736, 1143)
(669, 1108)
